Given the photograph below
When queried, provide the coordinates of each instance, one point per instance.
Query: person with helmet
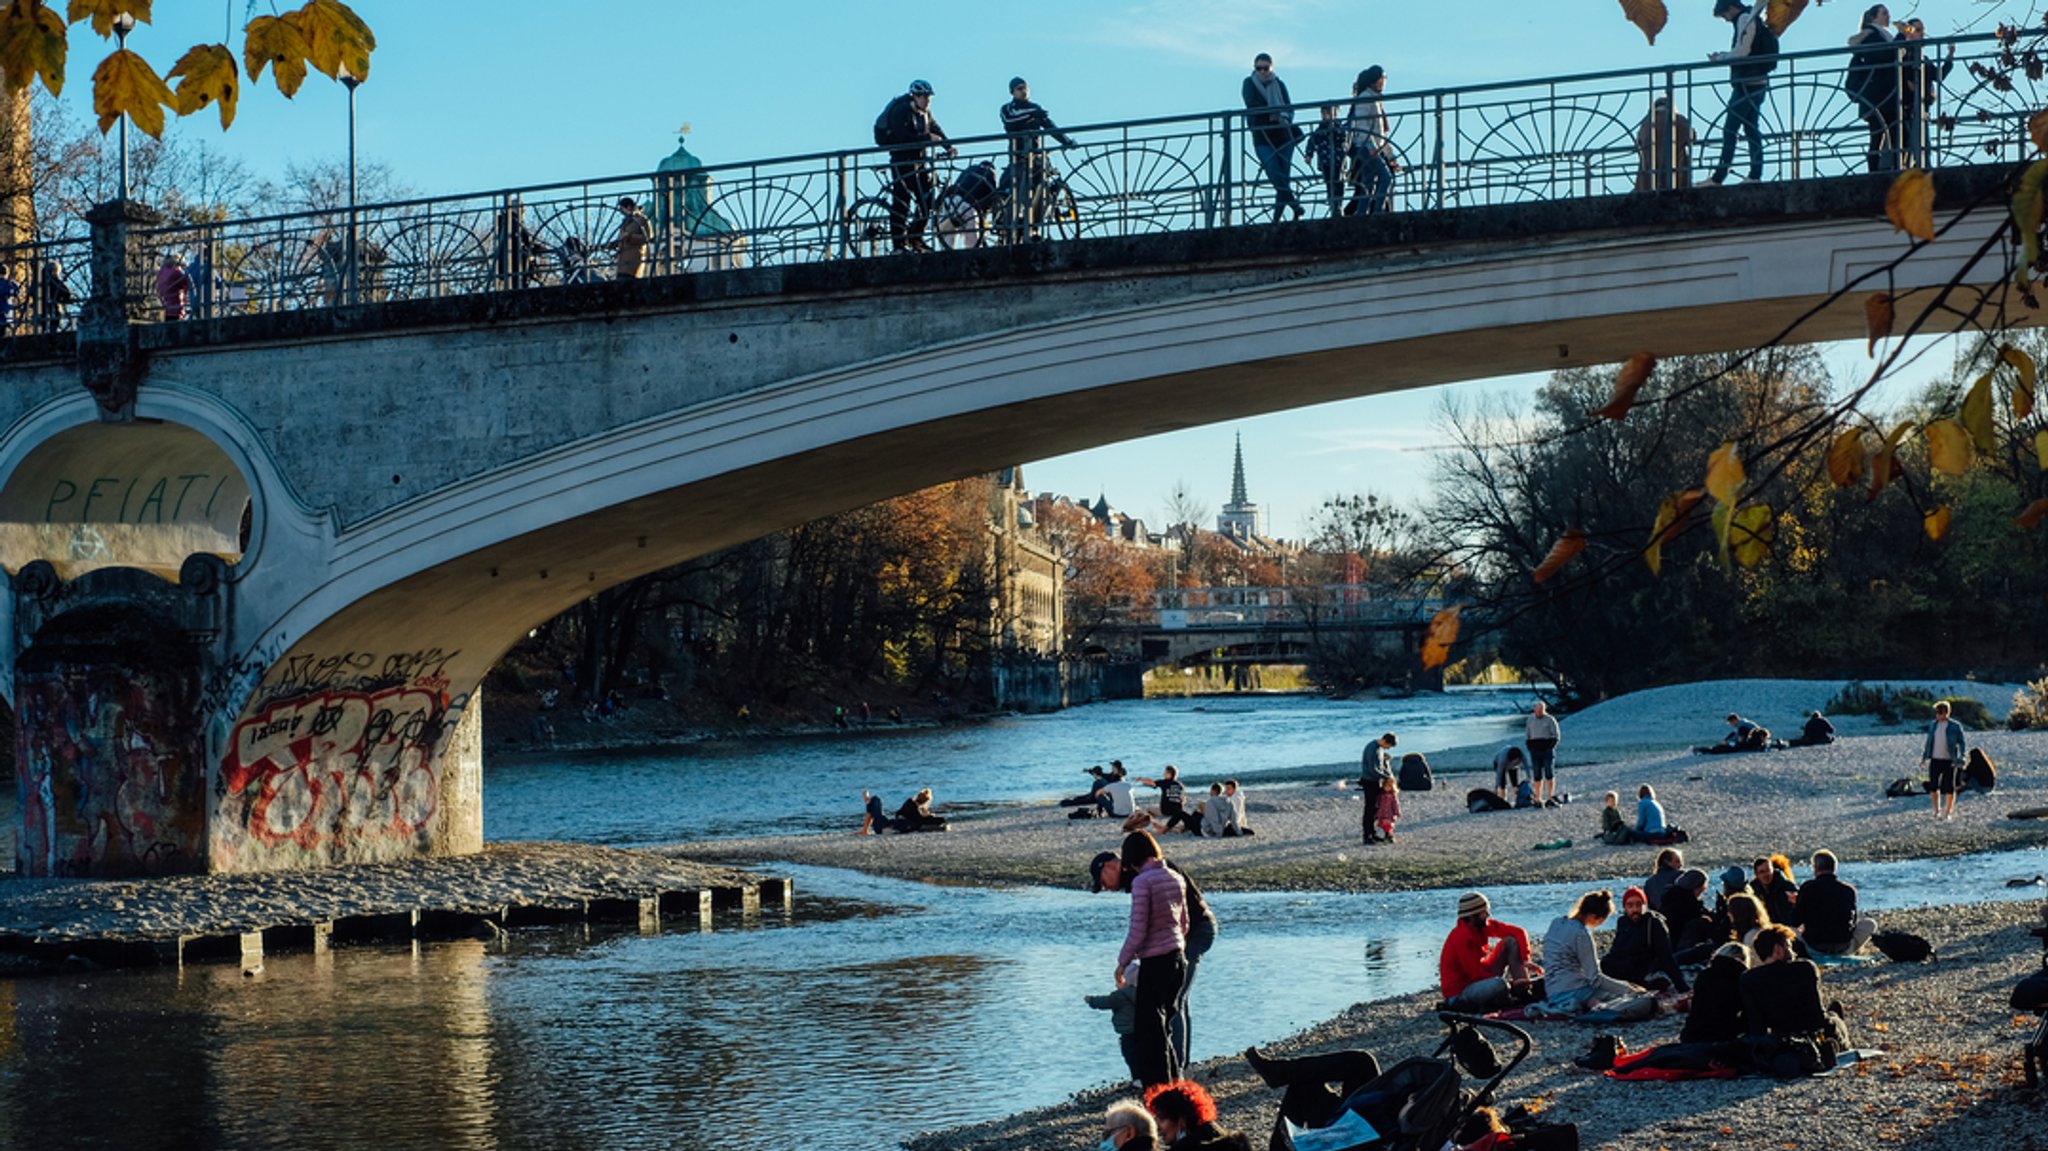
(1027, 125)
(908, 129)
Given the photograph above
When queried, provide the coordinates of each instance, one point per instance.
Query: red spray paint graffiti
(337, 775)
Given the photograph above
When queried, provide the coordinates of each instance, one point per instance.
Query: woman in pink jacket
(1157, 936)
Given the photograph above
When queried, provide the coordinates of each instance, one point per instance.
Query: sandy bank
(1946, 1078)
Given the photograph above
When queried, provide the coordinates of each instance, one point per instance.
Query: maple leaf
(1443, 632)
(103, 12)
(1649, 15)
(278, 42)
(1633, 374)
(1845, 458)
(32, 43)
(1568, 545)
(1877, 319)
(336, 38)
(1948, 447)
(1779, 14)
(1909, 204)
(125, 85)
(209, 76)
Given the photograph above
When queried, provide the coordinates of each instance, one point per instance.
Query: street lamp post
(351, 81)
(124, 24)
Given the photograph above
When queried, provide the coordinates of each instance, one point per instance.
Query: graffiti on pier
(305, 673)
(336, 775)
(111, 780)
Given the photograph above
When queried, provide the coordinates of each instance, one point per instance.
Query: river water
(876, 1009)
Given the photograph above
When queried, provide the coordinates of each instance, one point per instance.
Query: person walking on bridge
(1272, 130)
(908, 129)
(1373, 162)
(1750, 58)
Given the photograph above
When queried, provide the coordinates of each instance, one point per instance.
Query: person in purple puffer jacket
(1156, 939)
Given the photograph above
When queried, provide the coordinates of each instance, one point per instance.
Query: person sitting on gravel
(1613, 828)
(1115, 799)
(1485, 965)
(1215, 813)
(1742, 736)
(1234, 796)
(1641, 950)
(1774, 885)
(1508, 763)
(1571, 964)
(1187, 1118)
(1127, 1126)
(1781, 993)
(916, 814)
(1172, 796)
(1101, 777)
(1827, 911)
(1817, 732)
(1670, 865)
(1716, 1012)
(1684, 912)
(875, 823)
(1122, 1005)
(1306, 1099)
(1650, 826)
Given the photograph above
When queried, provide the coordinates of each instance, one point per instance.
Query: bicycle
(1051, 212)
(864, 225)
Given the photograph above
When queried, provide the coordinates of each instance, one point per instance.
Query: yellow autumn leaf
(1877, 319)
(1750, 533)
(1948, 447)
(2037, 130)
(1725, 474)
(125, 85)
(1884, 467)
(336, 38)
(2026, 215)
(208, 76)
(1977, 417)
(1568, 545)
(1671, 513)
(102, 13)
(1443, 632)
(1649, 15)
(1779, 14)
(2023, 391)
(32, 43)
(1724, 515)
(1909, 204)
(276, 41)
(2033, 513)
(1845, 458)
(2041, 448)
(1627, 384)
(1936, 522)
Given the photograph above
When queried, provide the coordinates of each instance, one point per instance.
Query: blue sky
(467, 95)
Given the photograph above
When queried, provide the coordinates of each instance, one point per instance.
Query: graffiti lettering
(65, 502)
(310, 673)
(338, 773)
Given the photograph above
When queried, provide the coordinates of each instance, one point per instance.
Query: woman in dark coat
(1716, 1015)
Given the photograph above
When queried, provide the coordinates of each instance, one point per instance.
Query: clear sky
(467, 95)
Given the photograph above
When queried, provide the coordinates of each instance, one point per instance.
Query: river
(876, 1009)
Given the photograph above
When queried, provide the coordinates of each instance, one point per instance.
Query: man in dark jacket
(1781, 994)
(1748, 81)
(1827, 911)
(1272, 130)
(1872, 80)
(1027, 125)
(908, 129)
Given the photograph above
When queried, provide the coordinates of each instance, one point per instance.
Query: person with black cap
(1749, 80)
(908, 129)
(1106, 872)
(1027, 125)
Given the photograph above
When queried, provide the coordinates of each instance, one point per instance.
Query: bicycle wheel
(864, 228)
(1062, 219)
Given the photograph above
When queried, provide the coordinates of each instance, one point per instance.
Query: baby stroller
(1416, 1105)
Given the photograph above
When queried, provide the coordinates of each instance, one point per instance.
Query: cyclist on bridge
(1028, 124)
(907, 128)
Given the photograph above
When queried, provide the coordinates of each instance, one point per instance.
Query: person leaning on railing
(1920, 80)
(1027, 125)
(1664, 143)
(1872, 80)
(53, 295)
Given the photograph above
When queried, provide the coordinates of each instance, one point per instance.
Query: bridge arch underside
(422, 591)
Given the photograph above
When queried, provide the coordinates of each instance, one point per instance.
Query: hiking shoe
(1263, 1064)
(1711, 182)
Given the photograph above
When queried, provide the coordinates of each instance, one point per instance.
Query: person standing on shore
(1376, 784)
(1157, 939)
(1106, 871)
(1541, 733)
(1945, 748)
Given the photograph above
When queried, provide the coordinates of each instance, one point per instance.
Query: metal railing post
(1225, 184)
(1436, 158)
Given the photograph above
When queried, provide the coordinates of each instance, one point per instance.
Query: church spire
(1241, 517)
(1237, 494)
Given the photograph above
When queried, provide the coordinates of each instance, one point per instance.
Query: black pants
(1308, 1100)
(1178, 816)
(1159, 982)
(1745, 105)
(913, 185)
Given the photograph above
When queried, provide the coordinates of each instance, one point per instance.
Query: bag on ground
(1482, 799)
(1901, 788)
(1903, 946)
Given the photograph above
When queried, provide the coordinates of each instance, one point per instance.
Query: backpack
(1415, 774)
(1482, 799)
(1900, 789)
(887, 131)
(1765, 44)
(1903, 946)
(1525, 794)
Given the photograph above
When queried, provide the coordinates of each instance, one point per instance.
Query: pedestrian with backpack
(907, 128)
(1750, 58)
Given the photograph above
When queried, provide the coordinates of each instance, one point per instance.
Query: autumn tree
(1106, 581)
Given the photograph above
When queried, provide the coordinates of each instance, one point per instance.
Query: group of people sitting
(914, 815)
(1222, 814)
(1651, 824)
(1759, 922)
(1743, 735)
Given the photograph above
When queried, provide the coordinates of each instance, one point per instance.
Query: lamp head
(124, 23)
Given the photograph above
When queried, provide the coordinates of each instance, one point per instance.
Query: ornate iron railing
(1506, 143)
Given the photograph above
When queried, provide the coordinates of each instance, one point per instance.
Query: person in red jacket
(1485, 962)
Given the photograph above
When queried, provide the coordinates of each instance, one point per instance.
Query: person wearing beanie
(1641, 951)
(1685, 914)
(1485, 963)
(1716, 1014)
